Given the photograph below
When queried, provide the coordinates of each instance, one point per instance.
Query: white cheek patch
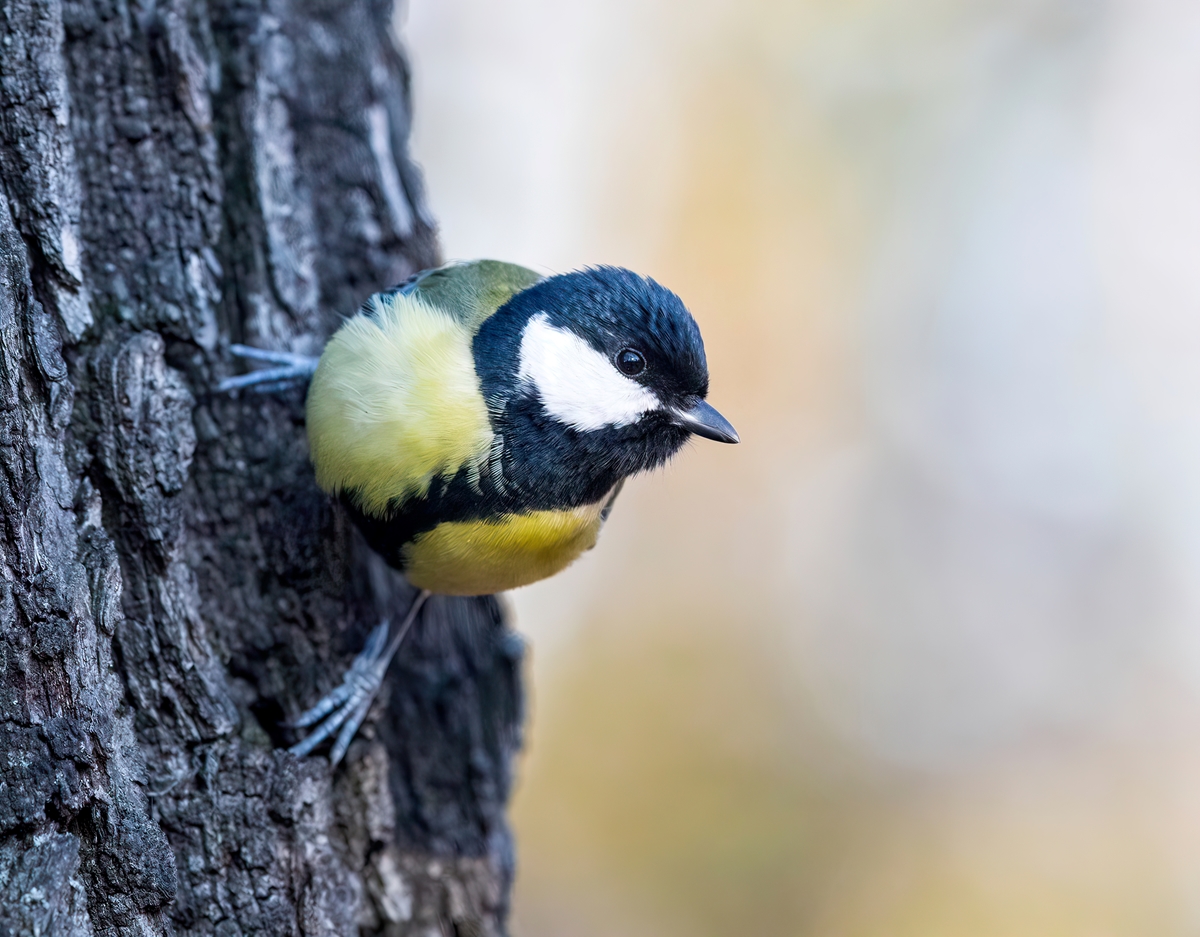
(578, 385)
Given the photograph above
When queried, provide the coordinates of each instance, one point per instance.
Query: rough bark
(175, 176)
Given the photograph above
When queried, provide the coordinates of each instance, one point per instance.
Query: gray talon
(346, 705)
(349, 730)
(292, 368)
(355, 681)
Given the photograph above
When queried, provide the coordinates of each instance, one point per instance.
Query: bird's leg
(345, 707)
(289, 369)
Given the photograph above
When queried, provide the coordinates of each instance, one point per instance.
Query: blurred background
(921, 656)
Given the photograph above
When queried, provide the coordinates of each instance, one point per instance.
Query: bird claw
(344, 708)
(290, 368)
(346, 705)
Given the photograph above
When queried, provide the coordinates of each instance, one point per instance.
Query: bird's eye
(630, 361)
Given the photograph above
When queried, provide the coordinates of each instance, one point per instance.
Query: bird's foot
(290, 368)
(343, 709)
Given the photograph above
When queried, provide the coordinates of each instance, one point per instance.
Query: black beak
(704, 420)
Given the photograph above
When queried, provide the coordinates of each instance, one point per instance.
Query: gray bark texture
(176, 176)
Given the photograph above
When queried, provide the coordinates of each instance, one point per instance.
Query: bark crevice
(174, 177)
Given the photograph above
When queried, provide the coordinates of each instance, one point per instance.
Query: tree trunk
(176, 176)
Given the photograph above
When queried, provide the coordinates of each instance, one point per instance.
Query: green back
(473, 290)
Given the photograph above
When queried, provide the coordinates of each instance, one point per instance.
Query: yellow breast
(396, 402)
(481, 557)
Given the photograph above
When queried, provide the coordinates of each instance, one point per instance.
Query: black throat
(544, 463)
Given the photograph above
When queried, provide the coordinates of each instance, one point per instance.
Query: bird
(477, 423)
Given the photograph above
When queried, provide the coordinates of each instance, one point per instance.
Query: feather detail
(394, 403)
(492, 555)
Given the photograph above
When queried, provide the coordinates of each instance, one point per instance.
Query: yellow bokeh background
(921, 656)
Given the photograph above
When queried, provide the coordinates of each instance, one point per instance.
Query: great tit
(478, 421)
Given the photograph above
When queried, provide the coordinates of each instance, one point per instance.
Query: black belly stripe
(461, 498)
(456, 500)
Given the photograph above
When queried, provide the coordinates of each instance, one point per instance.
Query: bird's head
(602, 365)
